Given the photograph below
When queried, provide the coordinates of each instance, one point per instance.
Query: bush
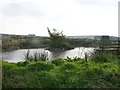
(48, 79)
(76, 58)
(68, 59)
(68, 66)
(9, 75)
(23, 64)
(7, 66)
(102, 56)
(58, 61)
(40, 66)
(72, 59)
(118, 56)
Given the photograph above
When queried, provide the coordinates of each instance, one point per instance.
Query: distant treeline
(11, 42)
(81, 42)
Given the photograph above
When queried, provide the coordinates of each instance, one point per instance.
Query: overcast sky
(73, 17)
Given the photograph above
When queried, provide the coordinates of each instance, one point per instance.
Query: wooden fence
(112, 46)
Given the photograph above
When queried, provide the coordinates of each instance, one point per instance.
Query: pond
(19, 55)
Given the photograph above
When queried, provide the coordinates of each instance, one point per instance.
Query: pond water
(19, 55)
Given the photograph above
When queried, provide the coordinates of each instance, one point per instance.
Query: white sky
(73, 17)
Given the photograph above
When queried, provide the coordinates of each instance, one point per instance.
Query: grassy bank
(59, 73)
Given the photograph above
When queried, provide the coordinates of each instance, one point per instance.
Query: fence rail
(112, 46)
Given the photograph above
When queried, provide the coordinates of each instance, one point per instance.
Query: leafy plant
(23, 64)
(72, 59)
(40, 66)
(58, 61)
(69, 66)
(102, 56)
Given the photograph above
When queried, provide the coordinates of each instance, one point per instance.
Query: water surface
(19, 55)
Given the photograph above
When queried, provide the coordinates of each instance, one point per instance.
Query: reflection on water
(19, 55)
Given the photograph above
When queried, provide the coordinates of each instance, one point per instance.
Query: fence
(105, 44)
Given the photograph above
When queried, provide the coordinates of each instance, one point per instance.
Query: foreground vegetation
(63, 73)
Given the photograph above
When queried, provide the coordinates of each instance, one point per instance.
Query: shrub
(16, 71)
(48, 79)
(10, 71)
(40, 66)
(72, 59)
(58, 61)
(23, 64)
(102, 56)
(69, 66)
(68, 59)
(76, 58)
(7, 66)
(118, 56)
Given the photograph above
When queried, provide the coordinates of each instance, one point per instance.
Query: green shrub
(72, 59)
(23, 64)
(16, 71)
(102, 56)
(11, 77)
(48, 79)
(7, 66)
(69, 59)
(76, 58)
(40, 66)
(58, 61)
(118, 56)
(68, 66)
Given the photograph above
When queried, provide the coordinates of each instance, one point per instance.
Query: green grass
(61, 73)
